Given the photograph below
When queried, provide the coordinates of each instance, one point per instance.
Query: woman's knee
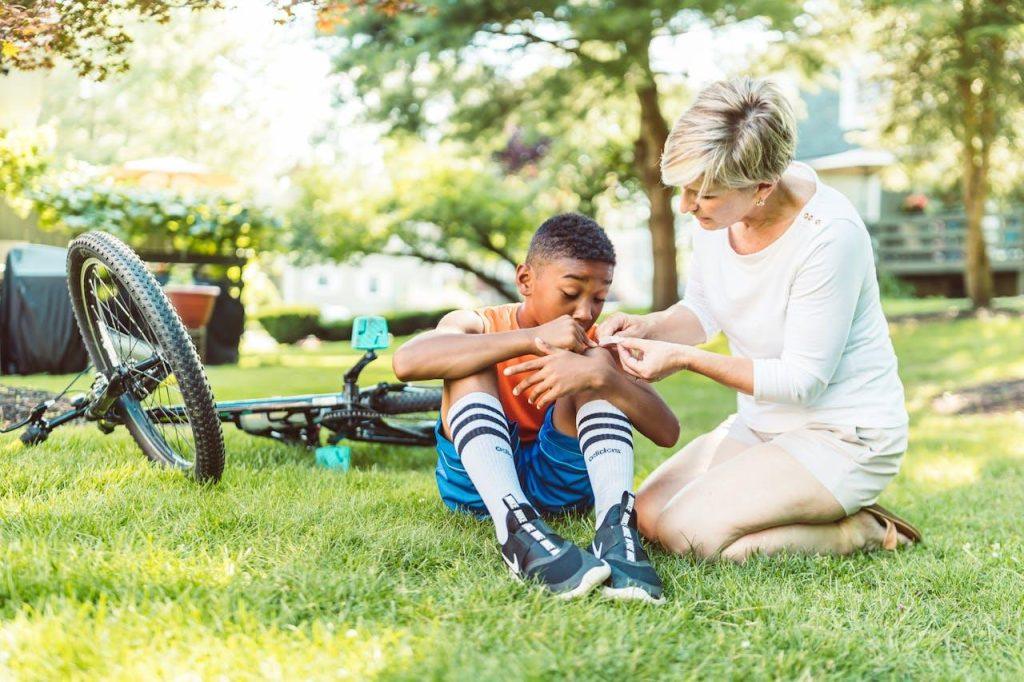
(684, 530)
(649, 506)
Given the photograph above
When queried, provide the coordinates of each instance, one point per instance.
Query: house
(826, 143)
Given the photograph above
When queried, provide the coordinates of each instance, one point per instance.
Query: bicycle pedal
(337, 457)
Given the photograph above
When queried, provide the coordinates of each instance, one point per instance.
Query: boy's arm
(458, 348)
(560, 374)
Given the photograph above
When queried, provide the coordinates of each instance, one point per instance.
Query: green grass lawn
(115, 569)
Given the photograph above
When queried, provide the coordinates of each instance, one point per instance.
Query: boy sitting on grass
(536, 418)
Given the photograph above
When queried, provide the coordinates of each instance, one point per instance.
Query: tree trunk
(977, 271)
(979, 127)
(648, 149)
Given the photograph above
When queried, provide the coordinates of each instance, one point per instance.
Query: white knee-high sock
(480, 434)
(606, 441)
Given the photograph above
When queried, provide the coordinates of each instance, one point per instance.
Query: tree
(23, 162)
(443, 58)
(219, 102)
(432, 204)
(92, 34)
(955, 71)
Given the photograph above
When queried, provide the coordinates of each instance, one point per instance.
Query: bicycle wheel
(127, 322)
(408, 399)
(407, 415)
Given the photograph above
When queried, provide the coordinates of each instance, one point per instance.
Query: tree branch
(537, 40)
(485, 242)
(495, 283)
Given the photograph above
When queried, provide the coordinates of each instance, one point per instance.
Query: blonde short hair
(737, 133)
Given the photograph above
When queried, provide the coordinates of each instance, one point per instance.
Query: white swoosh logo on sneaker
(597, 549)
(514, 564)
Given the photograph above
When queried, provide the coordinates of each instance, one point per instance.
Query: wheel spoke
(128, 339)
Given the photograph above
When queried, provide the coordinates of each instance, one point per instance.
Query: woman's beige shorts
(854, 463)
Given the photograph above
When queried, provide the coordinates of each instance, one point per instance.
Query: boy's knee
(484, 381)
(600, 353)
(455, 390)
(584, 397)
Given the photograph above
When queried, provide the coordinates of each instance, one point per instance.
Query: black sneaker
(535, 552)
(618, 543)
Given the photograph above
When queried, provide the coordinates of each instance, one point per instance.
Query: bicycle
(149, 379)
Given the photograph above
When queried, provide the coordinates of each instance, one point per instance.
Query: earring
(759, 202)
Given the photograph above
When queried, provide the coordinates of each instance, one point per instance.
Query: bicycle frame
(290, 419)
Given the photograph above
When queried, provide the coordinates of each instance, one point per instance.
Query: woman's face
(718, 207)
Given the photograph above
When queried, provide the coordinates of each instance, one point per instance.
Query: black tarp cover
(37, 327)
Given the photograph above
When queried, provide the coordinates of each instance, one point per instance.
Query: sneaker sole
(631, 593)
(588, 582)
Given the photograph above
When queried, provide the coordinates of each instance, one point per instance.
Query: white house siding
(374, 285)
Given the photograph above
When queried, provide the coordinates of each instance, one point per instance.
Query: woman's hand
(559, 373)
(650, 360)
(624, 324)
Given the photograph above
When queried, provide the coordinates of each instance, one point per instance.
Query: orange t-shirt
(502, 318)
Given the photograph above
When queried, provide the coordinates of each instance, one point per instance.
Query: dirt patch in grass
(957, 314)
(16, 402)
(994, 396)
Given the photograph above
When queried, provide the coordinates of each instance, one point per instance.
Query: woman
(783, 265)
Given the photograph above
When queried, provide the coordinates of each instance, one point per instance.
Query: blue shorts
(551, 470)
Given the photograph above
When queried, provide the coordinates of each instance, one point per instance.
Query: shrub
(158, 220)
(288, 324)
(340, 330)
(402, 324)
(399, 324)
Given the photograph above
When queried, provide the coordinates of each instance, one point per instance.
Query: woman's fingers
(629, 363)
(611, 326)
(631, 343)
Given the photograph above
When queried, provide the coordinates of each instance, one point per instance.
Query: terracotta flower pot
(194, 302)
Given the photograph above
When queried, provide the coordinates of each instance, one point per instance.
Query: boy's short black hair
(570, 235)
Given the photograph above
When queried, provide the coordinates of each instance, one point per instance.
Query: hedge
(399, 324)
(288, 324)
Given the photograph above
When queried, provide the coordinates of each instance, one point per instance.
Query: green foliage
(23, 161)
(402, 324)
(94, 36)
(288, 324)
(222, 102)
(598, 95)
(890, 286)
(954, 73)
(158, 220)
(435, 205)
(399, 324)
(90, 34)
(336, 330)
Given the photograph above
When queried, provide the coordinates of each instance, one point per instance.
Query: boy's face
(565, 286)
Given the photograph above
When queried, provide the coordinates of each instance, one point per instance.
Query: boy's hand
(564, 333)
(623, 324)
(559, 373)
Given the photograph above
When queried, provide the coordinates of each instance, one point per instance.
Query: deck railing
(934, 244)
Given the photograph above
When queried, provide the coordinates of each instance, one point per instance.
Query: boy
(537, 418)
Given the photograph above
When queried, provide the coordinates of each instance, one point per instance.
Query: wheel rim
(124, 339)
